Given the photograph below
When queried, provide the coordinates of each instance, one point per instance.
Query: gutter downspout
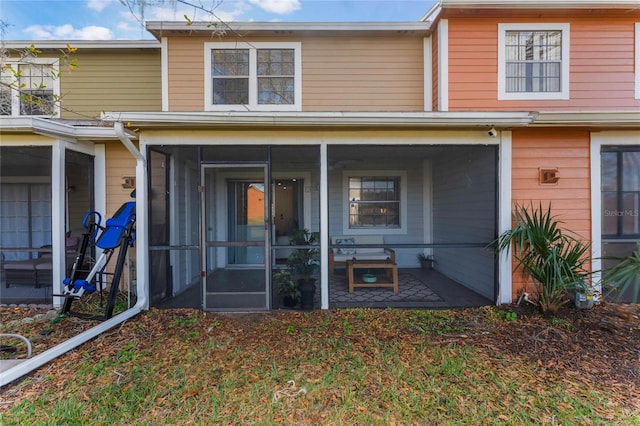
(38, 361)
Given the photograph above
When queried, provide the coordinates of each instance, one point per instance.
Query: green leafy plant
(304, 262)
(508, 315)
(426, 260)
(624, 275)
(303, 237)
(553, 259)
(560, 323)
(286, 286)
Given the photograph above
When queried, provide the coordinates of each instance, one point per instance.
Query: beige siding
(338, 73)
(119, 163)
(363, 74)
(127, 80)
(186, 73)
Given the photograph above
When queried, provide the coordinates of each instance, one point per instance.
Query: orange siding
(338, 73)
(570, 198)
(601, 70)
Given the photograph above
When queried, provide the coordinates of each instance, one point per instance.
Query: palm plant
(545, 252)
(624, 275)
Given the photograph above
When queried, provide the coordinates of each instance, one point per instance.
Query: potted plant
(303, 237)
(287, 288)
(303, 263)
(426, 260)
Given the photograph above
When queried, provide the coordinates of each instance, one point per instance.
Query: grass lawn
(352, 366)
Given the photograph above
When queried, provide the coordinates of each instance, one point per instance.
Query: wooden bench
(338, 256)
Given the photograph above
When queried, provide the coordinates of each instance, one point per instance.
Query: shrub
(546, 253)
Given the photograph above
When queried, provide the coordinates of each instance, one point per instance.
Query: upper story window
(253, 77)
(533, 61)
(29, 88)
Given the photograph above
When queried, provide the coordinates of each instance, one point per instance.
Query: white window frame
(637, 60)
(402, 229)
(253, 78)
(598, 140)
(15, 99)
(563, 94)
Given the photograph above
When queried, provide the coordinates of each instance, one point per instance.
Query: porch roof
(57, 128)
(592, 119)
(451, 120)
(161, 29)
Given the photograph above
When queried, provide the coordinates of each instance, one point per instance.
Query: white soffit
(588, 118)
(379, 120)
(84, 130)
(158, 28)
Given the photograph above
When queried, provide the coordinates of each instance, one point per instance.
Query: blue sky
(111, 20)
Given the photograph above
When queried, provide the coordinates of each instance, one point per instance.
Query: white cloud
(277, 6)
(226, 12)
(98, 5)
(68, 32)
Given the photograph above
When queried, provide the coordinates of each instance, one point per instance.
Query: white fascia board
(56, 129)
(540, 4)
(83, 44)
(329, 119)
(284, 27)
(16, 124)
(432, 14)
(588, 118)
(64, 130)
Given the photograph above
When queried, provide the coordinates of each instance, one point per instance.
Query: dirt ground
(600, 345)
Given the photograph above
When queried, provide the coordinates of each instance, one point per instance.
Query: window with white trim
(253, 77)
(533, 61)
(29, 88)
(376, 202)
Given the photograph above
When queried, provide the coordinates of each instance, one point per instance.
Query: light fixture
(492, 132)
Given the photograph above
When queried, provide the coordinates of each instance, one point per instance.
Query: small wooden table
(390, 279)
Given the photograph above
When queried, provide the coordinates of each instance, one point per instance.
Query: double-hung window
(29, 88)
(533, 61)
(377, 201)
(253, 77)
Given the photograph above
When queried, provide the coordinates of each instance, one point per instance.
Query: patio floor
(417, 288)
